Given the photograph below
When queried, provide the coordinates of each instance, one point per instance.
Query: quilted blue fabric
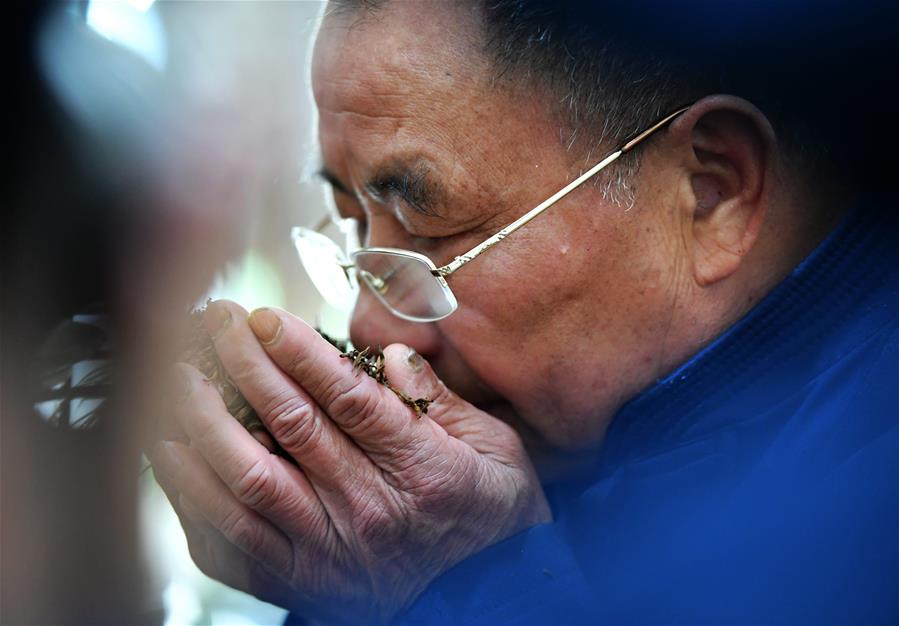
(755, 484)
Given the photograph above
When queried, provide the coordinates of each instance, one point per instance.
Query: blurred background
(161, 152)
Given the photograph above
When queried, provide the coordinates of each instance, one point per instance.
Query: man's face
(562, 321)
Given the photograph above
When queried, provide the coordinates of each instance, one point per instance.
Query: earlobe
(727, 145)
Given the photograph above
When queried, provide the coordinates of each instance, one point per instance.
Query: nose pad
(372, 324)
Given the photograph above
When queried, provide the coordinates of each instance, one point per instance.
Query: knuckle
(440, 490)
(292, 422)
(443, 401)
(256, 486)
(298, 363)
(442, 393)
(241, 532)
(378, 526)
(199, 554)
(354, 405)
(244, 370)
(336, 385)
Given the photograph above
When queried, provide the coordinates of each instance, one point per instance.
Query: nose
(372, 324)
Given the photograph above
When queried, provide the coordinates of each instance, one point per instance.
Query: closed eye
(412, 186)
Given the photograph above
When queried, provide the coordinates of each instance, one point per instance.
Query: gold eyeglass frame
(441, 273)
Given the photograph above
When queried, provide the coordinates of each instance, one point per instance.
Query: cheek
(524, 283)
(542, 374)
(523, 303)
(564, 335)
(510, 332)
(490, 352)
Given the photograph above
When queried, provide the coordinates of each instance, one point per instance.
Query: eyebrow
(330, 178)
(411, 180)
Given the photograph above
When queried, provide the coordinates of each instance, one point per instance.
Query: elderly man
(665, 394)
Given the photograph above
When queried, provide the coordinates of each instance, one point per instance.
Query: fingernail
(165, 458)
(266, 325)
(414, 361)
(217, 318)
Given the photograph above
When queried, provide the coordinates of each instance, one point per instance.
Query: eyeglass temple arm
(482, 247)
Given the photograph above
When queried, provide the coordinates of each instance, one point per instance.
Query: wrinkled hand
(379, 502)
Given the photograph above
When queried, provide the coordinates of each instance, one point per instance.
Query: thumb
(408, 372)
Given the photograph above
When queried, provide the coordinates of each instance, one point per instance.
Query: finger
(367, 411)
(408, 371)
(330, 460)
(265, 438)
(259, 480)
(166, 426)
(217, 558)
(192, 513)
(197, 483)
(210, 551)
(185, 517)
(194, 525)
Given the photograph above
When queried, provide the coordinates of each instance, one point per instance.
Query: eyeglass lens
(405, 284)
(324, 262)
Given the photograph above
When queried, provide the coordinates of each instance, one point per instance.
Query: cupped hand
(378, 503)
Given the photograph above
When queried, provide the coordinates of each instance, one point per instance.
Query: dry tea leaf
(200, 352)
(373, 365)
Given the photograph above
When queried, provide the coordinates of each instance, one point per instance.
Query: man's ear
(727, 147)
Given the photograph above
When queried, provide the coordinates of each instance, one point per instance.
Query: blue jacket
(755, 484)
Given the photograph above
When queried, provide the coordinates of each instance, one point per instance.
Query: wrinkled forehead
(394, 51)
(411, 85)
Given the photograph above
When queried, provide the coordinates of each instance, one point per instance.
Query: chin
(564, 426)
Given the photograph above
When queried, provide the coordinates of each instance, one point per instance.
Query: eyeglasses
(406, 282)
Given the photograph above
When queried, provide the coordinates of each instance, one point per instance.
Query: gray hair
(601, 96)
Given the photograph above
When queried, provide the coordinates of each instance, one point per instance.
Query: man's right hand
(379, 502)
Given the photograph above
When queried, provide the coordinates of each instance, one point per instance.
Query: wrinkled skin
(560, 322)
(379, 501)
(558, 325)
